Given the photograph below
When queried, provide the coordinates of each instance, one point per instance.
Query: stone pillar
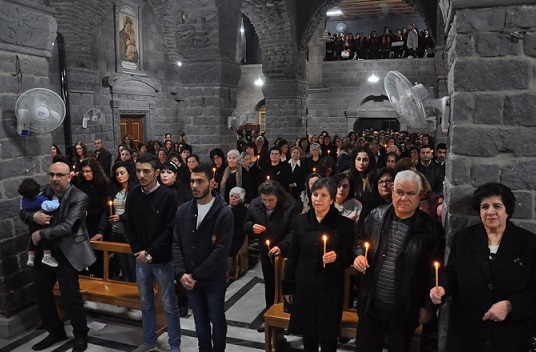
(285, 107)
(317, 52)
(491, 84)
(207, 96)
(27, 31)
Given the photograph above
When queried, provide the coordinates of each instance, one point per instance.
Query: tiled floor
(244, 303)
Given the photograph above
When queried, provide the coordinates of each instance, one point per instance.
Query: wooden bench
(241, 260)
(114, 292)
(276, 320)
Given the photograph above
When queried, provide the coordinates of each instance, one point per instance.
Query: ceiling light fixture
(334, 12)
(179, 63)
(259, 82)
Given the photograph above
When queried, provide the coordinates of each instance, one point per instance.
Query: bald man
(66, 230)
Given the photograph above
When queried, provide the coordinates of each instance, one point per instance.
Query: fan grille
(404, 99)
(40, 110)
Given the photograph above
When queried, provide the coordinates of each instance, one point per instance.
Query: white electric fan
(93, 116)
(239, 117)
(410, 100)
(39, 110)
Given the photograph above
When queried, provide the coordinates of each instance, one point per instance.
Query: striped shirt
(385, 288)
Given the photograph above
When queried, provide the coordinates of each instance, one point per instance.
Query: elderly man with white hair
(395, 251)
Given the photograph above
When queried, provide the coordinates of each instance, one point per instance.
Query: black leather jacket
(414, 270)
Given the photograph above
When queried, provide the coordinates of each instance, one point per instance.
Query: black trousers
(44, 278)
(378, 322)
(311, 343)
(268, 272)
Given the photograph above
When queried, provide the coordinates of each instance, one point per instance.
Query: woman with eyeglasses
(93, 181)
(270, 219)
(314, 271)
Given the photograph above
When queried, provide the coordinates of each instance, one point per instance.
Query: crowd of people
(371, 200)
(402, 43)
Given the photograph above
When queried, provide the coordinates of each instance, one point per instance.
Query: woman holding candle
(235, 175)
(320, 251)
(122, 182)
(491, 277)
(270, 217)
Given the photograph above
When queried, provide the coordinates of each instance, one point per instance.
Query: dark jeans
(207, 300)
(127, 262)
(44, 278)
(379, 321)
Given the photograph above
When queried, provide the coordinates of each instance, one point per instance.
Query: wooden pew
(276, 320)
(118, 293)
(241, 260)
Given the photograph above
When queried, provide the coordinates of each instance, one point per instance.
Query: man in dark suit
(66, 229)
(103, 156)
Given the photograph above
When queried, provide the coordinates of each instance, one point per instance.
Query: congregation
(402, 43)
(372, 198)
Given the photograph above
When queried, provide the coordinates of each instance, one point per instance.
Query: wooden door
(132, 125)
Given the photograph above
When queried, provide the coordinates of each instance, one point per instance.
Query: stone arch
(77, 20)
(277, 38)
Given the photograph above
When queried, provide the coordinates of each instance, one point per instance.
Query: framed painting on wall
(128, 38)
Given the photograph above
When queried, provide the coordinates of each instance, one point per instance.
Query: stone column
(491, 84)
(27, 31)
(285, 107)
(317, 52)
(207, 96)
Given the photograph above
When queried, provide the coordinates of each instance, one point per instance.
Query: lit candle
(74, 168)
(329, 152)
(366, 249)
(110, 206)
(325, 239)
(258, 159)
(268, 178)
(268, 244)
(314, 170)
(436, 265)
(214, 173)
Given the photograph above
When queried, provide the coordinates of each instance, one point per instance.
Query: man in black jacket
(149, 228)
(103, 156)
(201, 242)
(398, 270)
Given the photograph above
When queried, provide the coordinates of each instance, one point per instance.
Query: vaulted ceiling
(353, 9)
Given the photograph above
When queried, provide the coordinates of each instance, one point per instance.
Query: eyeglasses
(385, 182)
(57, 174)
(268, 201)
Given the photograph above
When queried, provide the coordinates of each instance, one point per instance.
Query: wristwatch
(148, 257)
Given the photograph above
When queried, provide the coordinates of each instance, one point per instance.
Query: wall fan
(93, 116)
(240, 116)
(409, 101)
(39, 110)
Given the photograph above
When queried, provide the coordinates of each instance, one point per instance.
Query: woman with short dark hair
(314, 271)
(270, 217)
(491, 277)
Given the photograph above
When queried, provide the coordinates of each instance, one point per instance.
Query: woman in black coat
(491, 276)
(270, 217)
(93, 181)
(314, 278)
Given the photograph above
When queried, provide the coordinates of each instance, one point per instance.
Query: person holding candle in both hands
(491, 276)
(270, 217)
(320, 251)
(398, 271)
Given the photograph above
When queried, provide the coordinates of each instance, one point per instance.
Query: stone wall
(27, 32)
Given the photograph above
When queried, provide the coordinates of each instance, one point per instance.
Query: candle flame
(314, 169)
(267, 178)
(324, 238)
(213, 169)
(366, 245)
(110, 203)
(436, 265)
(268, 243)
